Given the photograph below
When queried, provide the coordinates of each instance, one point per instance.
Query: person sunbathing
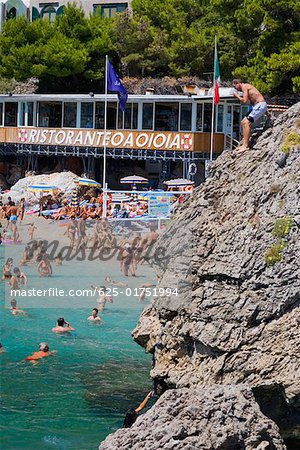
(115, 283)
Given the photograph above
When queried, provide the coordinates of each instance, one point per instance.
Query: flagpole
(104, 143)
(213, 105)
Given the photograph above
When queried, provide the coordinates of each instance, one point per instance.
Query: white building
(35, 9)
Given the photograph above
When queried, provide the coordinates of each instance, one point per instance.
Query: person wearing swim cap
(42, 353)
(62, 326)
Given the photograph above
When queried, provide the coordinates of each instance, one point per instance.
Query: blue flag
(114, 84)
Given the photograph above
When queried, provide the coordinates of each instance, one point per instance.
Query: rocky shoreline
(234, 254)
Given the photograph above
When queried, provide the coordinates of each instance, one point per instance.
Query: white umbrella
(178, 182)
(134, 179)
(121, 198)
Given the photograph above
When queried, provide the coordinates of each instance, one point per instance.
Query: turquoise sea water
(74, 399)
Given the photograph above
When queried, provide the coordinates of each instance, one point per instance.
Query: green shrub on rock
(281, 231)
(274, 254)
(282, 227)
(290, 141)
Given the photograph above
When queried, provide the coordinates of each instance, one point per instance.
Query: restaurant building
(157, 135)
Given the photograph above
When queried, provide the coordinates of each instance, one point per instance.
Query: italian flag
(217, 78)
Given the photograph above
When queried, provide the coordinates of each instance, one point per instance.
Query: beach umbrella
(74, 199)
(42, 187)
(87, 182)
(121, 198)
(134, 179)
(179, 182)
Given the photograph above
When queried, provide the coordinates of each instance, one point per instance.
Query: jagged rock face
(236, 318)
(217, 418)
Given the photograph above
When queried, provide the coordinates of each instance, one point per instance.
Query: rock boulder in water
(63, 180)
(216, 418)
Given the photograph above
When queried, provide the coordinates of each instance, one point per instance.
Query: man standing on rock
(256, 99)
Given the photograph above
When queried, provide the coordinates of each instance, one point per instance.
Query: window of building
(48, 13)
(185, 116)
(229, 120)
(199, 118)
(35, 14)
(1, 114)
(60, 10)
(112, 115)
(22, 114)
(30, 120)
(86, 115)
(207, 117)
(128, 119)
(245, 110)
(166, 116)
(70, 114)
(109, 10)
(50, 114)
(220, 116)
(147, 123)
(11, 13)
(99, 115)
(11, 114)
(26, 114)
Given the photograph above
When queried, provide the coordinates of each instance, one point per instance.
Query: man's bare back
(252, 93)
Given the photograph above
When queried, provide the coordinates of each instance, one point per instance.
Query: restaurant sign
(98, 138)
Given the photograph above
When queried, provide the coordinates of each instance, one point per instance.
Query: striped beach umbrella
(74, 199)
(87, 182)
(42, 188)
(121, 198)
(178, 182)
(134, 179)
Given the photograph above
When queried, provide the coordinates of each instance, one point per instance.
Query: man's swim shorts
(259, 109)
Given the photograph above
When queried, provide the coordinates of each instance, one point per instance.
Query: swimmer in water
(62, 326)
(15, 310)
(115, 283)
(6, 271)
(94, 317)
(103, 297)
(44, 267)
(42, 353)
(1, 349)
(31, 229)
(20, 276)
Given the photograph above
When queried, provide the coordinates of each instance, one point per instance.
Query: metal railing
(230, 143)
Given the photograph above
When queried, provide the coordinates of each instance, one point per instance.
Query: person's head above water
(13, 303)
(17, 271)
(130, 418)
(44, 347)
(95, 312)
(61, 322)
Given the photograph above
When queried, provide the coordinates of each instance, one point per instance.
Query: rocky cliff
(233, 254)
